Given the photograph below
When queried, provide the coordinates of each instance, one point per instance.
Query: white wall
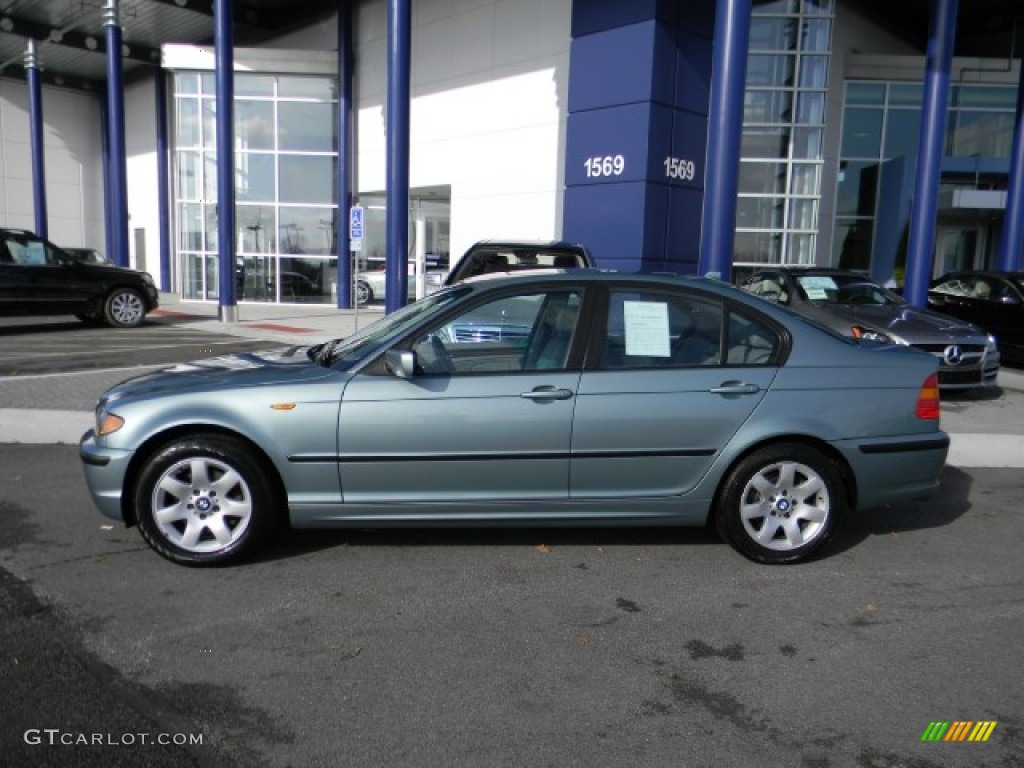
(488, 113)
(73, 151)
(141, 171)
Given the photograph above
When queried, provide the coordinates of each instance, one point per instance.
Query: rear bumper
(890, 470)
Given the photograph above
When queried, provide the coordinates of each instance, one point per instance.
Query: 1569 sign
(680, 169)
(604, 165)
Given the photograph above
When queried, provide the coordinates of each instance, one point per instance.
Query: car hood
(907, 322)
(290, 365)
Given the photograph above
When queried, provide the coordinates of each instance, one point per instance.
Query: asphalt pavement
(986, 426)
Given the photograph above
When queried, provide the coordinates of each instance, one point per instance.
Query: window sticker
(646, 328)
(817, 287)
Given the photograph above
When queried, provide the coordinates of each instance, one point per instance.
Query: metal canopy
(71, 45)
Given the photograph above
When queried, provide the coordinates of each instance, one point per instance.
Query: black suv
(38, 278)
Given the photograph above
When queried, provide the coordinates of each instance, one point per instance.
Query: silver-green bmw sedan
(546, 398)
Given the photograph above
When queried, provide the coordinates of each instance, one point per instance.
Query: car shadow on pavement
(945, 505)
(978, 394)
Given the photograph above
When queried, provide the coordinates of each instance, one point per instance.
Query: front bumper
(105, 470)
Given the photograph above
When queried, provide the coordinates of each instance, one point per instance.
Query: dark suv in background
(38, 278)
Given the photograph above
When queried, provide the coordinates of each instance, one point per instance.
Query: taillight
(928, 398)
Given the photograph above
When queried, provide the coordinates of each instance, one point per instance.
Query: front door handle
(735, 388)
(547, 393)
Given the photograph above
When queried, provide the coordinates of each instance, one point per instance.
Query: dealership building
(693, 136)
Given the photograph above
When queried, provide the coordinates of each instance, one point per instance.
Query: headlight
(107, 422)
(990, 345)
(870, 334)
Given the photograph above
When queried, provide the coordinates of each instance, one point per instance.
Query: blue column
(346, 59)
(1013, 221)
(399, 65)
(225, 84)
(163, 160)
(725, 131)
(35, 118)
(920, 251)
(117, 199)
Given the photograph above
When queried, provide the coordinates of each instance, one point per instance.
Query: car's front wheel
(781, 503)
(364, 294)
(124, 308)
(204, 500)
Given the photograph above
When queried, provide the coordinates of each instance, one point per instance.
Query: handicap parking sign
(355, 223)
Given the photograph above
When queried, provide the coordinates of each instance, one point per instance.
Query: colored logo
(958, 730)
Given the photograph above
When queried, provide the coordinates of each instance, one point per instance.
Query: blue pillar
(1013, 221)
(725, 131)
(225, 83)
(399, 65)
(163, 160)
(346, 59)
(117, 199)
(939, 63)
(35, 117)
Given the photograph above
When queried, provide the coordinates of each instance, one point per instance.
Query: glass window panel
(810, 108)
(813, 71)
(767, 70)
(190, 227)
(777, 6)
(209, 176)
(807, 143)
(307, 230)
(208, 83)
(981, 134)
(817, 35)
(254, 176)
(257, 228)
(765, 143)
(851, 245)
(769, 33)
(254, 124)
(188, 175)
(187, 123)
(760, 212)
(902, 133)
(210, 223)
(801, 248)
(767, 106)
(803, 213)
(858, 184)
(307, 178)
(212, 278)
(986, 97)
(758, 247)
(209, 108)
(862, 132)
(247, 84)
(865, 93)
(762, 178)
(818, 7)
(307, 126)
(806, 179)
(306, 87)
(306, 281)
(192, 275)
(905, 95)
(186, 82)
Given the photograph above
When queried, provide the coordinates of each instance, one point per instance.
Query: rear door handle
(735, 388)
(547, 393)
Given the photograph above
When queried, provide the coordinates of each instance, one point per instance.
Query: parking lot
(527, 647)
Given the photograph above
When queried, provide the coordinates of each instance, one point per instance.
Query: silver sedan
(582, 398)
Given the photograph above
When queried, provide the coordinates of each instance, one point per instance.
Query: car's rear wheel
(781, 503)
(124, 308)
(204, 501)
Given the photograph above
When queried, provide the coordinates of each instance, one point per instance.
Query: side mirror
(400, 363)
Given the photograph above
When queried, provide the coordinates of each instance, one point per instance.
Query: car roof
(539, 244)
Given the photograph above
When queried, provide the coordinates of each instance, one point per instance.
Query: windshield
(846, 289)
(346, 353)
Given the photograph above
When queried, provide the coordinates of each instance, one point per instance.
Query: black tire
(124, 308)
(781, 503)
(217, 502)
